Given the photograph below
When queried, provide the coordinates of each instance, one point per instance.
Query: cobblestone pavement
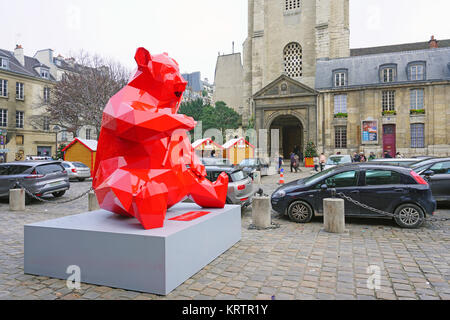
(295, 261)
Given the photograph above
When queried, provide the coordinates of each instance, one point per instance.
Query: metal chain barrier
(32, 195)
(362, 205)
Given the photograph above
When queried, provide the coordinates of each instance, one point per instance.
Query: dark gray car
(437, 171)
(39, 177)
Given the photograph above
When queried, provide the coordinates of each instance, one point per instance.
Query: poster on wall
(370, 131)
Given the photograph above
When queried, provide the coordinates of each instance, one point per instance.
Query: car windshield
(335, 160)
(79, 165)
(317, 177)
(8, 170)
(249, 162)
(421, 163)
(237, 176)
(421, 168)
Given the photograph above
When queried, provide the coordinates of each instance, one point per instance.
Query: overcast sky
(192, 31)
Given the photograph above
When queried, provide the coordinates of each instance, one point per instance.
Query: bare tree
(79, 98)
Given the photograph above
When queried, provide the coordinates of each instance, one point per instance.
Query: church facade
(300, 77)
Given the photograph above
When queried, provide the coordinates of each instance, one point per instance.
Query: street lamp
(57, 129)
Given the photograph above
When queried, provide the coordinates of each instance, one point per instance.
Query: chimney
(433, 43)
(18, 54)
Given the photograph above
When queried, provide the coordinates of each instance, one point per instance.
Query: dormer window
(340, 78)
(416, 70)
(388, 73)
(4, 63)
(45, 73)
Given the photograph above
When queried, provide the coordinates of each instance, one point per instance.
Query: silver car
(77, 170)
(39, 177)
(240, 185)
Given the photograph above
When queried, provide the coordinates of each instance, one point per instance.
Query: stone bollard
(261, 212)
(334, 215)
(17, 200)
(257, 177)
(93, 203)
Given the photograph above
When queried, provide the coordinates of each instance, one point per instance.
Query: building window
(417, 99)
(19, 91)
(340, 79)
(19, 119)
(88, 134)
(416, 70)
(19, 140)
(45, 73)
(64, 136)
(293, 60)
(388, 74)
(417, 135)
(340, 137)
(46, 124)
(3, 88)
(388, 100)
(46, 94)
(4, 63)
(340, 103)
(3, 117)
(292, 4)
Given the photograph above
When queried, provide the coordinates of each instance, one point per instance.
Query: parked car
(403, 162)
(437, 173)
(336, 160)
(39, 177)
(423, 157)
(77, 170)
(392, 189)
(216, 162)
(240, 186)
(254, 164)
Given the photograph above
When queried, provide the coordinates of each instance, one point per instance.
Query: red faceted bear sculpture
(145, 162)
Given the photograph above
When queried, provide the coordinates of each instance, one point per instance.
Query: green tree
(311, 150)
(192, 108)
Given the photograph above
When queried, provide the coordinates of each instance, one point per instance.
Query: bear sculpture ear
(142, 57)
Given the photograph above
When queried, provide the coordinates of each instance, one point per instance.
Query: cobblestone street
(295, 261)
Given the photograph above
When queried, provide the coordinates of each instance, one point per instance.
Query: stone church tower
(285, 38)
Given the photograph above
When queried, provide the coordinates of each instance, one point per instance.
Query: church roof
(364, 70)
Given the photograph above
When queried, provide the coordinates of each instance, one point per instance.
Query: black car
(437, 171)
(392, 189)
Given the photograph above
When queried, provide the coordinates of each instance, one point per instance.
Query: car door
(440, 181)
(382, 189)
(345, 182)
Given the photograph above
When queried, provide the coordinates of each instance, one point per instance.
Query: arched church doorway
(290, 134)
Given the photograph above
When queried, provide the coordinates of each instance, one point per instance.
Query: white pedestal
(117, 252)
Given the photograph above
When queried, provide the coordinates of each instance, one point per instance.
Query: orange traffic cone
(281, 177)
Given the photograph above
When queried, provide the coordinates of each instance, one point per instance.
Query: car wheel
(300, 212)
(409, 216)
(81, 179)
(58, 194)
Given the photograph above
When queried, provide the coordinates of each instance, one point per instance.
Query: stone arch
(293, 131)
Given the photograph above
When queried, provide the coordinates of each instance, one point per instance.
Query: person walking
(292, 158)
(322, 161)
(362, 157)
(399, 155)
(316, 163)
(296, 162)
(372, 156)
(356, 157)
(387, 155)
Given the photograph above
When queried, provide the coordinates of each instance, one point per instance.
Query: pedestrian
(362, 157)
(356, 157)
(387, 155)
(322, 161)
(292, 157)
(372, 156)
(280, 163)
(213, 154)
(316, 163)
(296, 162)
(399, 155)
